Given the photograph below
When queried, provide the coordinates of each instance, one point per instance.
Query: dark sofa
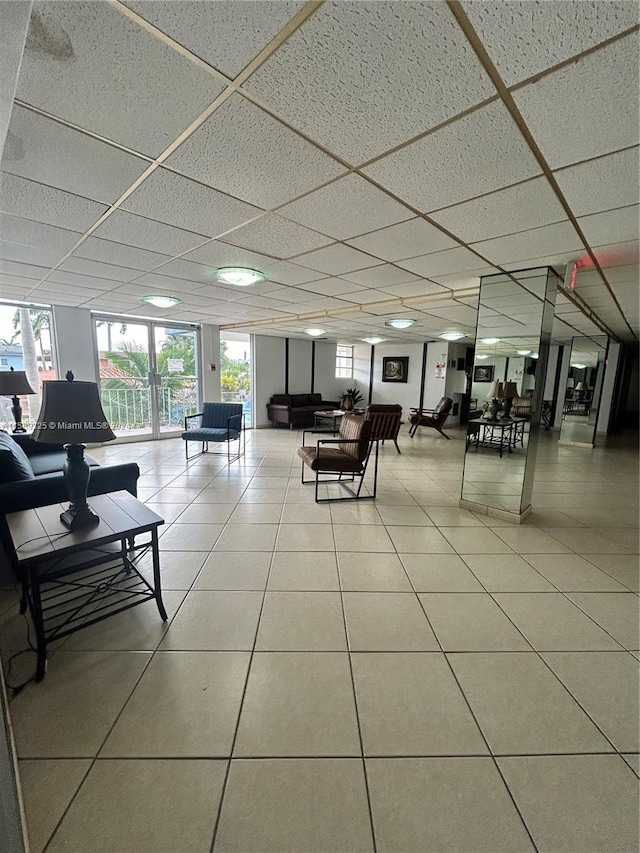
(296, 410)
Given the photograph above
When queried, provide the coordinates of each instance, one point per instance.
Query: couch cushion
(281, 399)
(52, 462)
(314, 399)
(299, 399)
(14, 462)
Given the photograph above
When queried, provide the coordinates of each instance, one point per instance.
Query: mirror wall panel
(584, 390)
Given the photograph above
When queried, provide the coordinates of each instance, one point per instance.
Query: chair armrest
(233, 418)
(189, 418)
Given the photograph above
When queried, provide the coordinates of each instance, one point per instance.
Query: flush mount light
(315, 333)
(534, 355)
(524, 352)
(373, 341)
(579, 366)
(400, 324)
(489, 341)
(481, 356)
(161, 301)
(452, 336)
(240, 276)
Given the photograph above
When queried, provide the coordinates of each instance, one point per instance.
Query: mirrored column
(581, 405)
(515, 316)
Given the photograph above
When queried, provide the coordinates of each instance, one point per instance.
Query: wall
(268, 374)
(325, 381)
(479, 390)
(300, 366)
(562, 387)
(606, 400)
(406, 394)
(209, 354)
(74, 345)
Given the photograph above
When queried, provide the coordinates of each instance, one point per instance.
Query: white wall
(268, 374)
(606, 399)
(74, 345)
(324, 381)
(479, 390)
(434, 386)
(210, 355)
(406, 394)
(300, 366)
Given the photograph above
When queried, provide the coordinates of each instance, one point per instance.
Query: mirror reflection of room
(583, 390)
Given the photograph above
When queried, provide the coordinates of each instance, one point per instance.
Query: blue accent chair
(219, 422)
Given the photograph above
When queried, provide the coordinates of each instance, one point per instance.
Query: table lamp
(12, 383)
(72, 414)
(495, 396)
(509, 391)
(580, 388)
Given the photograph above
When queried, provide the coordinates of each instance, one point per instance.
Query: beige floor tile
(220, 493)
(190, 537)
(625, 568)
(521, 707)
(48, 786)
(138, 806)
(410, 704)
(551, 517)
(394, 497)
(607, 686)
(311, 805)
(178, 569)
(419, 540)
(177, 495)
(467, 622)
(168, 511)
(247, 537)
(570, 572)
(506, 573)
(586, 541)
(387, 622)
(69, 714)
(575, 802)
(372, 573)
(185, 706)
(475, 541)
(633, 760)
(256, 514)
(628, 537)
(362, 538)
(428, 499)
(531, 540)
(552, 624)
(617, 612)
(439, 573)
(302, 622)
(309, 537)
(298, 704)
(263, 496)
(453, 517)
(354, 512)
(303, 514)
(413, 516)
(303, 570)
(469, 808)
(215, 621)
(207, 513)
(234, 570)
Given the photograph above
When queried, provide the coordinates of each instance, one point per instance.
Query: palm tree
(28, 342)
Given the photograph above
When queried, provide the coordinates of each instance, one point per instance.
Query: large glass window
(344, 362)
(235, 371)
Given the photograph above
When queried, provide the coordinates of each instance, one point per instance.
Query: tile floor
(393, 676)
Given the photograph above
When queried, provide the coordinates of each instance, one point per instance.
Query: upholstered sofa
(296, 410)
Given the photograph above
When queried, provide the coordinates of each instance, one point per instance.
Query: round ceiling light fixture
(315, 333)
(452, 336)
(579, 366)
(489, 341)
(534, 355)
(239, 276)
(161, 301)
(481, 356)
(400, 323)
(524, 352)
(373, 341)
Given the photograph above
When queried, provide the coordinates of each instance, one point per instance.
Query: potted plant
(350, 398)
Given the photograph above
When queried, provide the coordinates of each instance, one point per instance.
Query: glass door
(175, 376)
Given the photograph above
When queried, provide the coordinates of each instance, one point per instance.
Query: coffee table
(71, 579)
(333, 415)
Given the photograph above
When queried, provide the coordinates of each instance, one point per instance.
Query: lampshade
(510, 390)
(14, 382)
(581, 386)
(495, 392)
(71, 413)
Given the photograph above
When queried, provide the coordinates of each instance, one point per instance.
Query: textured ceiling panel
(108, 252)
(527, 245)
(326, 79)
(543, 33)
(345, 208)
(226, 35)
(601, 184)
(178, 201)
(218, 254)
(276, 236)
(515, 209)
(442, 263)
(245, 152)
(421, 287)
(331, 287)
(613, 226)
(406, 240)
(337, 259)
(477, 154)
(586, 109)
(88, 64)
(132, 230)
(46, 204)
(385, 274)
(29, 233)
(40, 255)
(98, 269)
(288, 273)
(43, 150)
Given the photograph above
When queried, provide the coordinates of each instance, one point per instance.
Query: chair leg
(395, 441)
(412, 430)
(445, 435)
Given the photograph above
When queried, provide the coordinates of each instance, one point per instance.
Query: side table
(71, 579)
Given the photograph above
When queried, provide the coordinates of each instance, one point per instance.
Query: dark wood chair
(385, 421)
(434, 418)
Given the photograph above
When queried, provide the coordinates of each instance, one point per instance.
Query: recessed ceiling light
(579, 366)
(373, 341)
(400, 324)
(315, 333)
(489, 341)
(452, 336)
(481, 356)
(534, 355)
(524, 352)
(161, 301)
(240, 276)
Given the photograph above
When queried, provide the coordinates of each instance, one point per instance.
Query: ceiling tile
(601, 184)
(441, 263)
(613, 226)
(243, 151)
(477, 154)
(276, 236)
(385, 274)
(23, 270)
(293, 294)
(420, 287)
(463, 280)
(178, 201)
(336, 260)
(345, 208)
(525, 38)
(288, 273)
(226, 35)
(28, 233)
(357, 78)
(108, 252)
(618, 254)
(46, 204)
(217, 254)
(43, 150)
(39, 255)
(133, 230)
(189, 271)
(154, 281)
(87, 63)
(524, 245)
(507, 211)
(406, 240)
(69, 278)
(597, 98)
(331, 287)
(98, 269)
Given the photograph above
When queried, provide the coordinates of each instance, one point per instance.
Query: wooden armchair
(431, 417)
(385, 421)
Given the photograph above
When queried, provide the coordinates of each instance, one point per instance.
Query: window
(4, 362)
(344, 362)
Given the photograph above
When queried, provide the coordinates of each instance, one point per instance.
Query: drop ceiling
(373, 159)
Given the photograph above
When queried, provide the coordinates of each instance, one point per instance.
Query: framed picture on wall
(395, 369)
(483, 373)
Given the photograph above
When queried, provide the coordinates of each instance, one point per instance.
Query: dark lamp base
(19, 428)
(76, 518)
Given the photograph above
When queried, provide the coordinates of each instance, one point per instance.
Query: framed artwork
(395, 369)
(483, 373)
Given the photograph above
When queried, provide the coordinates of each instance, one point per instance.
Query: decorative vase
(508, 403)
(347, 403)
(494, 408)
